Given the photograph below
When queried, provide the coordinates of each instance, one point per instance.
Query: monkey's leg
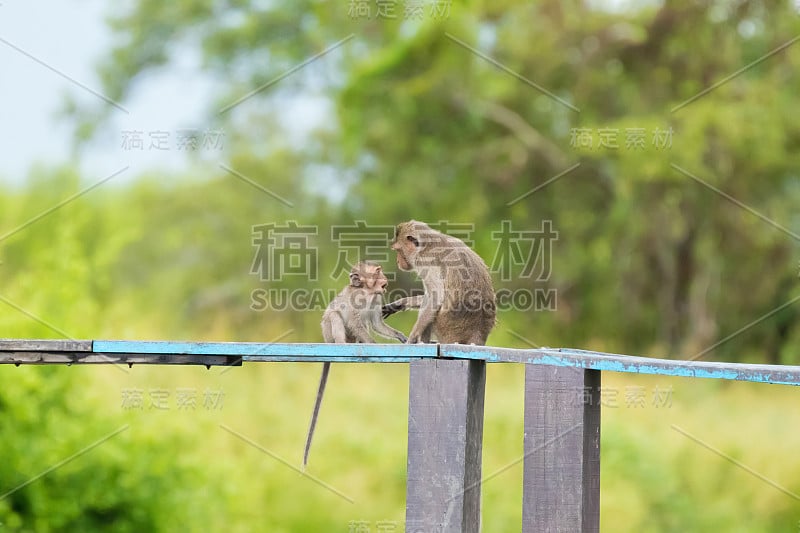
(327, 329)
(421, 332)
(334, 329)
(357, 328)
(410, 302)
(361, 334)
(425, 336)
(326, 367)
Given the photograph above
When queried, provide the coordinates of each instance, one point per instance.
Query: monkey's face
(406, 244)
(369, 277)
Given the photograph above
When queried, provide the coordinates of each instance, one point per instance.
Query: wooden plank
(44, 345)
(397, 353)
(266, 352)
(170, 359)
(320, 359)
(565, 357)
(445, 437)
(561, 480)
(78, 358)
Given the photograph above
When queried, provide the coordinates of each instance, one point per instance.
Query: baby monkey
(349, 318)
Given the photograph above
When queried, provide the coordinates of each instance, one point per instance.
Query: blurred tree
(455, 115)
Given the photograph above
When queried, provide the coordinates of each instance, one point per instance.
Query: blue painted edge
(402, 353)
(773, 374)
(257, 351)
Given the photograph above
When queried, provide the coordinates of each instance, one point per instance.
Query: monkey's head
(368, 275)
(408, 241)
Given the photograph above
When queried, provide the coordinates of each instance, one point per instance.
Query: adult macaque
(459, 302)
(349, 318)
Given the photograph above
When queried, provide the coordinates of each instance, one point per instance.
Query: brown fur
(459, 302)
(349, 318)
(357, 309)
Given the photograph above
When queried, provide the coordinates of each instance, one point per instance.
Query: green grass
(654, 478)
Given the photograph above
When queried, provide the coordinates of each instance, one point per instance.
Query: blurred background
(172, 170)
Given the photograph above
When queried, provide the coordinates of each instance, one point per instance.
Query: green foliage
(68, 466)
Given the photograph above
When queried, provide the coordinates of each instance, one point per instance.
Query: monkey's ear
(355, 279)
(413, 240)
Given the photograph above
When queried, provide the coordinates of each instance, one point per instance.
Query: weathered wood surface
(71, 358)
(445, 438)
(566, 357)
(31, 351)
(45, 345)
(25, 351)
(561, 473)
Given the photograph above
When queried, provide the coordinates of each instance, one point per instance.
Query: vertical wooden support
(561, 484)
(445, 438)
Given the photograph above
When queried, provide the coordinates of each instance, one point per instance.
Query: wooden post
(561, 480)
(445, 438)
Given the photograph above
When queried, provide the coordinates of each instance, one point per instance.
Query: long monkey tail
(326, 368)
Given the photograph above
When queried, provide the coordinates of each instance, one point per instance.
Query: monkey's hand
(392, 308)
(413, 339)
(410, 302)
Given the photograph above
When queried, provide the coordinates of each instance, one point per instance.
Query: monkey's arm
(381, 328)
(410, 302)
